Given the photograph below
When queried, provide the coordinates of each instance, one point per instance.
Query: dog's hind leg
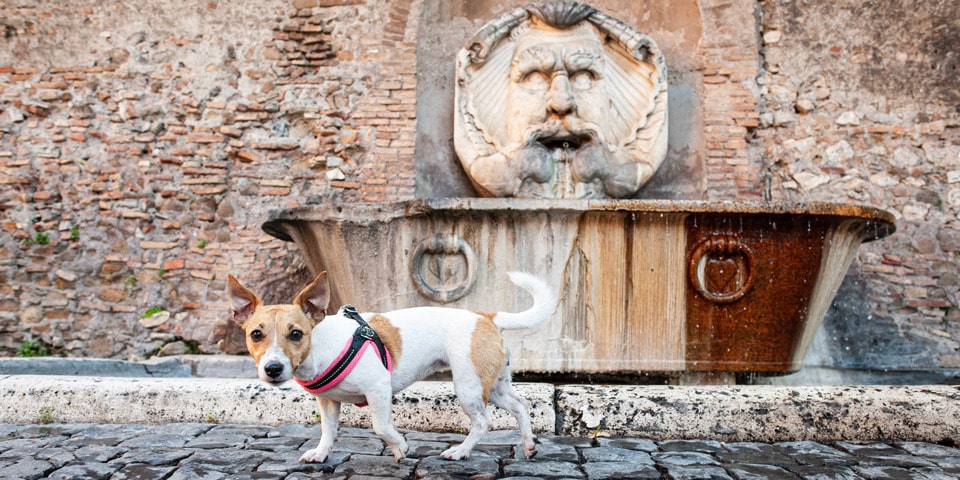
(471, 400)
(329, 426)
(505, 396)
(380, 404)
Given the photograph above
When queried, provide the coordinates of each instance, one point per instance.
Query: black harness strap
(361, 335)
(366, 332)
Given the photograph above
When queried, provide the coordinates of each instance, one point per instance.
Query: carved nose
(559, 100)
(273, 369)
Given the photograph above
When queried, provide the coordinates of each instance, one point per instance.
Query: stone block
(804, 413)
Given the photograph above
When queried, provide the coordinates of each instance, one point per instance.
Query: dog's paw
(400, 451)
(529, 451)
(458, 452)
(317, 455)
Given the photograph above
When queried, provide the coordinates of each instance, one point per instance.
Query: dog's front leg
(329, 426)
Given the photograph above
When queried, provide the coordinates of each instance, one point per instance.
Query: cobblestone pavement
(208, 451)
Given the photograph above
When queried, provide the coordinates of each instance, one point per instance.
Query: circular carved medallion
(443, 267)
(720, 269)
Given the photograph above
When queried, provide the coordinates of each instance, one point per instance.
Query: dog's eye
(295, 335)
(256, 335)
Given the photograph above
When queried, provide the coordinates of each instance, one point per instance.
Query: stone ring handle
(721, 269)
(439, 288)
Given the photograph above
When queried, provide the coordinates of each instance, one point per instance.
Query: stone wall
(142, 145)
(860, 104)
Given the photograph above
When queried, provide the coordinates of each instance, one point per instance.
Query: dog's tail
(544, 303)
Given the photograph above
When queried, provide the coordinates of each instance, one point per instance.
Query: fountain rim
(371, 212)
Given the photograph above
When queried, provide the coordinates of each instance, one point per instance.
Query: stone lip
(724, 413)
(883, 221)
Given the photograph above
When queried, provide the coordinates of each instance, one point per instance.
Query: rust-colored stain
(749, 285)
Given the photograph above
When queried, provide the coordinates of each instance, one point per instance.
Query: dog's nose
(273, 369)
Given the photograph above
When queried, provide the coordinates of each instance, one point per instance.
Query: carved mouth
(564, 141)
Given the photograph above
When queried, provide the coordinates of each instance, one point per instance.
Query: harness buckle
(364, 331)
(349, 310)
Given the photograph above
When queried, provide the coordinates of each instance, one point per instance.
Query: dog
(299, 341)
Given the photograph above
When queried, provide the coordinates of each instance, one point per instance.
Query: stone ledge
(425, 406)
(928, 413)
(160, 367)
(724, 413)
(215, 366)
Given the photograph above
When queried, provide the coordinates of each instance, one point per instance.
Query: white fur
(273, 354)
(544, 303)
(433, 339)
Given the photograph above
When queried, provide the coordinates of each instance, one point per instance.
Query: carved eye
(295, 335)
(582, 80)
(535, 80)
(256, 335)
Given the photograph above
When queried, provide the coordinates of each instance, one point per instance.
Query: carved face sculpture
(551, 111)
(556, 103)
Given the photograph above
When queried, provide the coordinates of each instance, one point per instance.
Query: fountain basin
(645, 285)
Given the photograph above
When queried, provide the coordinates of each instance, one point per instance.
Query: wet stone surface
(207, 451)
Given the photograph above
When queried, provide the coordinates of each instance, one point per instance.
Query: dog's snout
(273, 369)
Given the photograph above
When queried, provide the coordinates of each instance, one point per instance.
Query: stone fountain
(560, 119)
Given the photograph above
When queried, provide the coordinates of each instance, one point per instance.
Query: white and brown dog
(299, 341)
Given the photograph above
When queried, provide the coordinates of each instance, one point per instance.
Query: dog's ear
(244, 301)
(315, 297)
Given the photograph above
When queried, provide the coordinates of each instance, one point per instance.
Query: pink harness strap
(315, 386)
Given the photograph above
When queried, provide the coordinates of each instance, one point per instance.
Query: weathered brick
(276, 145)
(248, 156)
(174, 264)
(149, 245)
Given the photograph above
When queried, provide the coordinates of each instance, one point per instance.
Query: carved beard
(571, 160)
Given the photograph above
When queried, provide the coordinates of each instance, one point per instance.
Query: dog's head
(278, 336)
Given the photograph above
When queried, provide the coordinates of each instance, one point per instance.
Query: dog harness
(363, 337)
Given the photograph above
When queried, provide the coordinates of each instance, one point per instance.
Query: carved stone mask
(547, 108)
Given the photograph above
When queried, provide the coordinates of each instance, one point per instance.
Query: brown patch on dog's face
(487, 353)
(389, 334)
(278, 336)
(282, 327)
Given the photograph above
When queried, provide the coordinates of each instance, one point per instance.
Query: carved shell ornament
(559, 100)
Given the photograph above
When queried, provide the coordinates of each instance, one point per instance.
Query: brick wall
(136, 173)
(729, 102)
